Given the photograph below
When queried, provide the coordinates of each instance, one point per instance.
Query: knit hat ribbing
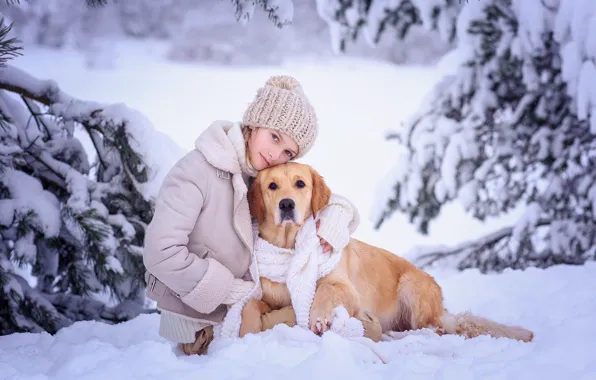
(282, 105)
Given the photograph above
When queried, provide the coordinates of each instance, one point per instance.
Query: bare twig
(34, 114)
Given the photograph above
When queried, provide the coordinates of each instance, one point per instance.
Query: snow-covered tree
(76, 192)
(514, 125)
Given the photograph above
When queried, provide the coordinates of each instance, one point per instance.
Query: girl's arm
(202, 284)
(338, 220)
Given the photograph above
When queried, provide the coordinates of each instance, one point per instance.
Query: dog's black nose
(286, 204)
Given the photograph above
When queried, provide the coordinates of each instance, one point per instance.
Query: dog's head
(287, 193)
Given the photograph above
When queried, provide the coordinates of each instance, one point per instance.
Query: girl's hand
(326, 246)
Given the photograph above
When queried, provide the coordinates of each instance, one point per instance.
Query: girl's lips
(264, 159)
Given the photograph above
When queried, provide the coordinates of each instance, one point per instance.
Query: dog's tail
(470, 326)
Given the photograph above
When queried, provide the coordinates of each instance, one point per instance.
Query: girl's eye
(275, 138)
(289, 154)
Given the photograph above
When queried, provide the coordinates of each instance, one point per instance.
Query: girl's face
(267, 148)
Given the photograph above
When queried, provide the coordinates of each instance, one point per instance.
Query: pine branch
(96, 144)
(47, 165)
(44, 91)
(9, 48)
(48, 92)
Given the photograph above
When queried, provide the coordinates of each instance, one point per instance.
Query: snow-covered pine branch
(72, 229)
(349, 19)
(280, 12)
(514, 125)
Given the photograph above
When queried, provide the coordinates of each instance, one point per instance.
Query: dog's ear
(256, 204)
(320, 193)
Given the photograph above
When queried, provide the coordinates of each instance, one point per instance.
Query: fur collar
(222, 144)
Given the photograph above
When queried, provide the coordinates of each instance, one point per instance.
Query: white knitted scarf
(299, 269)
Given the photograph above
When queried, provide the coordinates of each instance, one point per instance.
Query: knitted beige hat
(282, 105)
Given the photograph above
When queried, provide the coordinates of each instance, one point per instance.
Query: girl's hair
(246, 133)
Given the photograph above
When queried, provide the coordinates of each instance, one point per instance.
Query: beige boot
(201, 343)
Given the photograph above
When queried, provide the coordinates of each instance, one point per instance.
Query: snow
(28, 195)
(37, 87)
(357, 101)
(560, 311)
(575, 29)
(586, 96)
(25, 247)
(114, 265)
(531, 16)
(119, 220)
(528, 221)
(326, 10)
(146, 141)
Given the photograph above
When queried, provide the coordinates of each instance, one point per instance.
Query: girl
(199, 242)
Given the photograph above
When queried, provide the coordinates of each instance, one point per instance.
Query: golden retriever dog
(366, 279)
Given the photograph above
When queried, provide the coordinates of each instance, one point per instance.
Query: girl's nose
(275, 154)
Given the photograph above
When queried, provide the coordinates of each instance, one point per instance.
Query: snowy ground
(356, 101)
(558, 304)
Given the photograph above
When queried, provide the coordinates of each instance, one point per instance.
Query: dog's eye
(300, 184)
(272, 186)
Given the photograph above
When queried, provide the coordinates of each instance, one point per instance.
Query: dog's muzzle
(286, 209)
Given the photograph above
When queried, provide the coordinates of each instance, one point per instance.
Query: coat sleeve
(200, 283)
(339, 219)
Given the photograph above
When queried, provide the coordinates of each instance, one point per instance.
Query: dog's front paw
(251, 317)
(320, 319)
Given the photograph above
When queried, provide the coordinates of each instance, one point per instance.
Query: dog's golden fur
(367, 279)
